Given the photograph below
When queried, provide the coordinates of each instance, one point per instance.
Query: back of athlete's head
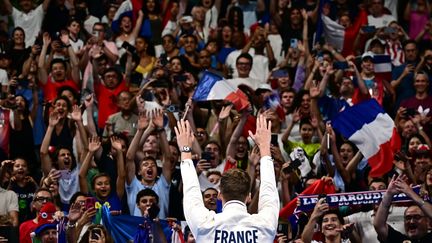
(235, 185)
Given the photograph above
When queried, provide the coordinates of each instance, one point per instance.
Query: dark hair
(174, 144)
(100, 24)
(298, 98)
(157, 8)
(213, 142)
(247, 56)
(191, 36)
(235, 184)
(304, 121)
(146, 192)
(150, 46)
(41, 189)
(117, 72)
(26, 105)
(378, 180)
(58, 60)
(13, 32)
(71, 20)
(57, 151)
(75, 197)
(69, 105)
(240, 23)
(332, 211)
(70, 89)
(407, 42)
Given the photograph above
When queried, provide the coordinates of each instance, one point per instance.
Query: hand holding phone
(90, 203)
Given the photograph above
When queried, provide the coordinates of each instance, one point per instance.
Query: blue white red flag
(372, 131)
(273, 102)
(213, 87)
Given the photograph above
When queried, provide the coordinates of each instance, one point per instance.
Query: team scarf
(307, 202)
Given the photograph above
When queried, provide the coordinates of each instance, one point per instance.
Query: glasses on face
(415, 217)
(43, 199)
(98, 30)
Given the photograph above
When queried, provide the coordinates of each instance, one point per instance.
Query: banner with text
(307, 202)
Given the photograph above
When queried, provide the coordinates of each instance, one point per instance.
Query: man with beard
(416, 217)
(363, 221)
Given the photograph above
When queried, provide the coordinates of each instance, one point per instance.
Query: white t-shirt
(30, 22)
(259, 71)
(382, 21)
(364, 223)
(3, 77)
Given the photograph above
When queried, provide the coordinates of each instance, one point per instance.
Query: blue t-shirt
(161, 187)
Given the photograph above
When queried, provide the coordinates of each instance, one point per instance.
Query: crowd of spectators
(90, 97)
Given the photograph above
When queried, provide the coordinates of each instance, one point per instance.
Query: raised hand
(158, 118)
(94, 144)
(76, 113)
(225, 112)
(296, 116)
(46, 38)
(143, 121)
(116, 143)
(392, 188)
(87, 216)
(320, 208)
(54, 119)
(64, 37)
(314, 91)
(184, 134)
(262, 136)
(89, 100)
(74, 212)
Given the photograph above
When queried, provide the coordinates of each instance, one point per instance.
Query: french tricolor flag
(213, 87)
(341, 38)
(372, 131)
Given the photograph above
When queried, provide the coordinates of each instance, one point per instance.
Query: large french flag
(372, 131)
(129, 8)
(340, 37)
(213, 87)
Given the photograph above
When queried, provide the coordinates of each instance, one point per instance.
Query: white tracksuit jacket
(234, 224)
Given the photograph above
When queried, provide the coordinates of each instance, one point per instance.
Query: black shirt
(395, 236)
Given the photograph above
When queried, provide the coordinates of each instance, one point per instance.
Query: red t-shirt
(51, 88)
(107, 101)
(25, 230)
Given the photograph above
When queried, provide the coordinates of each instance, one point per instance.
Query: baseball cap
(186, 19)
(262, 88)
(367, 54)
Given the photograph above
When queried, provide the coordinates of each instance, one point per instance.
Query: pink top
(417, 23)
